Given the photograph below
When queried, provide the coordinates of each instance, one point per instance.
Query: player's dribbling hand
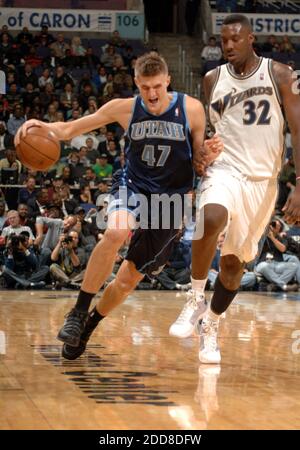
(292, 208)
(23, 129)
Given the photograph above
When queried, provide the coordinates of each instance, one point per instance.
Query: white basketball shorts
(250, 205)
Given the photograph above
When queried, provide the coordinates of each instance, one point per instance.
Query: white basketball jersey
(246, 114)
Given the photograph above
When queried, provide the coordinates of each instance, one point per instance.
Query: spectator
(44, 35)
(38, 206)
(100, 79)
(119, 162)
(16, 120)
(116, 40)
(25, 219)
(87, 228)
(45, 78)
(60, 47)
(68, 203)
(28, 77)
(85, 198)
(67, 261)
(51, 115)
(24, 34)
(102, 190)
(113, 152)
(271, 264)
(92, 106)
(78, 51)
(27, 192)
(15, 227)
(5, 48)
(211, 52)
(55, 227)
(66, 176)
(128, 55)
(107, 58)
(61, 79)
(29, 97)
(286, 45)
(102, 169)
(5, 138)
(10, 161)
(66, 97)
(92, 153)
(21, 264)
(89, 178)
(13, 97)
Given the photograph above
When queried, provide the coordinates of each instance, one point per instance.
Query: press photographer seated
(271, 264)
(21, 264)
(68, 260)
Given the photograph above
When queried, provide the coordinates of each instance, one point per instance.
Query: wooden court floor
(134, 376)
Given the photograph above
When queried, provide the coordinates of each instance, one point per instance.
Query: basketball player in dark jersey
(166, 139)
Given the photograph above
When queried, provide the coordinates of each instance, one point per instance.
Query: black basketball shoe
(73, 327)
(71, 352)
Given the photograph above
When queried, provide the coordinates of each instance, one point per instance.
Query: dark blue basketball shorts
(152, 241)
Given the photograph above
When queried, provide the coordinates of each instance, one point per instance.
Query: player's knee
(115, 238)
(232, 271)
(214, 219)
(125, 284)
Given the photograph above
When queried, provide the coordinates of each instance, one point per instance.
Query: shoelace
(191, 303)
(209, 333)
(74, 321)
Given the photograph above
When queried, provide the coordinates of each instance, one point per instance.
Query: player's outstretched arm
(118, 110)
(290, 96)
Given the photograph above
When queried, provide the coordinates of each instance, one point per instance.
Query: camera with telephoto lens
(13, 246)
(16, 240)
(68, 240)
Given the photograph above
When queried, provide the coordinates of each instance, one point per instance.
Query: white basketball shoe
(192, 311)
(209, 351)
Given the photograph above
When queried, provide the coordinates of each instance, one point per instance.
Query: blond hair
(150, 64)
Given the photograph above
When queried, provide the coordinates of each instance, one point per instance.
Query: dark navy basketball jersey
(159, 154)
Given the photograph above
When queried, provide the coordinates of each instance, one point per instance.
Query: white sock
(198, 285)
(213, 316)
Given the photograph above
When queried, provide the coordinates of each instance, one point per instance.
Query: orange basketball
(39, 149)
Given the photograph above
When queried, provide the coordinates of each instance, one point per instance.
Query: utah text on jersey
(157, 129)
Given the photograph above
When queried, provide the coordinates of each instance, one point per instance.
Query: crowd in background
(50, 225)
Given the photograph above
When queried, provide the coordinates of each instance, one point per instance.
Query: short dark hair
(237, 18)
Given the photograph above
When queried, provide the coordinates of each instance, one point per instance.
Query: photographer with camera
(15, 226)
(67, 261)
(21, 263)
(271, 264)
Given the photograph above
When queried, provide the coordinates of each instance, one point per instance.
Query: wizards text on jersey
(231, 99)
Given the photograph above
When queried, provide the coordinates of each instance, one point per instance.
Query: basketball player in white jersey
(245, 99)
